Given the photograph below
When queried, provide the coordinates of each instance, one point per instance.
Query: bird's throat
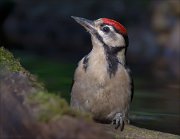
(113, 55)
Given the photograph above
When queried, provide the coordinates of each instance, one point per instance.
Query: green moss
(7, 60)
(49, 106)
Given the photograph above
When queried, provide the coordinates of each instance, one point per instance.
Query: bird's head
(108, 32)
(112, 32)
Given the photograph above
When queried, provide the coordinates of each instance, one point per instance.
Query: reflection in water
(157, 110)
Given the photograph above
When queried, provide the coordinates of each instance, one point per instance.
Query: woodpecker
(102, 82)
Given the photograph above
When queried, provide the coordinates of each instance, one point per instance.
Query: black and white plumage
(102, 83)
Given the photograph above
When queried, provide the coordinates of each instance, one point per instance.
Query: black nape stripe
(85, 62)
(111, 56)
(126, 42)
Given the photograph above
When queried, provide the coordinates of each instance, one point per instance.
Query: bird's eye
(106, 29)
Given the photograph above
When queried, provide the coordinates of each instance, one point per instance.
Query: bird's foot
(118, 121)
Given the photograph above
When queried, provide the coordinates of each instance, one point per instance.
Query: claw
(118, 121)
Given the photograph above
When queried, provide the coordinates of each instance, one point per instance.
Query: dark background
(49, 44)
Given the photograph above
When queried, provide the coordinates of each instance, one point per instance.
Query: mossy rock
(44, 105)
(7, 60)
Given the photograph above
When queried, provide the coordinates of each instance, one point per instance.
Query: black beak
(87, 24)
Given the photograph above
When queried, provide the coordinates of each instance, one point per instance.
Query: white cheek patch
(119, 41)
(113, 40)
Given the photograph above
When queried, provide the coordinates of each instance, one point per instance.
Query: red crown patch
(116, 25)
